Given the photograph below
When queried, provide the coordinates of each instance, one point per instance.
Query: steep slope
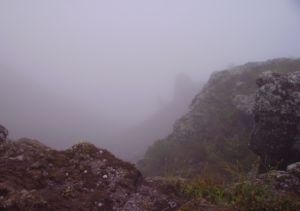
(216, 130)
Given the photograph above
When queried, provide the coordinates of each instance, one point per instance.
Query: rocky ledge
(84, 177)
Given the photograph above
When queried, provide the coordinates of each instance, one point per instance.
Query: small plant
(208, 189)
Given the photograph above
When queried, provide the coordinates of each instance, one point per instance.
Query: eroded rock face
(84, 177)
(276, 135)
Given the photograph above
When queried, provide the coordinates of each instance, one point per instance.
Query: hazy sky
(116, 57)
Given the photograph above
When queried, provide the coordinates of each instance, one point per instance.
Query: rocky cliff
(84, 177)
(216, 131)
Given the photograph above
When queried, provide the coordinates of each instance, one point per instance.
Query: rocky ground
(35, 177)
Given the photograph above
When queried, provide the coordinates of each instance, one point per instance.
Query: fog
(92, 70)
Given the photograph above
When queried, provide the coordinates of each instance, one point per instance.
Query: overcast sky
(116, 57)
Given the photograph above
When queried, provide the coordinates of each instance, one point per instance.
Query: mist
(94, 70)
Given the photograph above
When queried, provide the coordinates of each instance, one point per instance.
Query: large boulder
(276, 134)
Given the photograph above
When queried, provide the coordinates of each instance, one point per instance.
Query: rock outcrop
(3, 133)
(276, 135)
(84, 177)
